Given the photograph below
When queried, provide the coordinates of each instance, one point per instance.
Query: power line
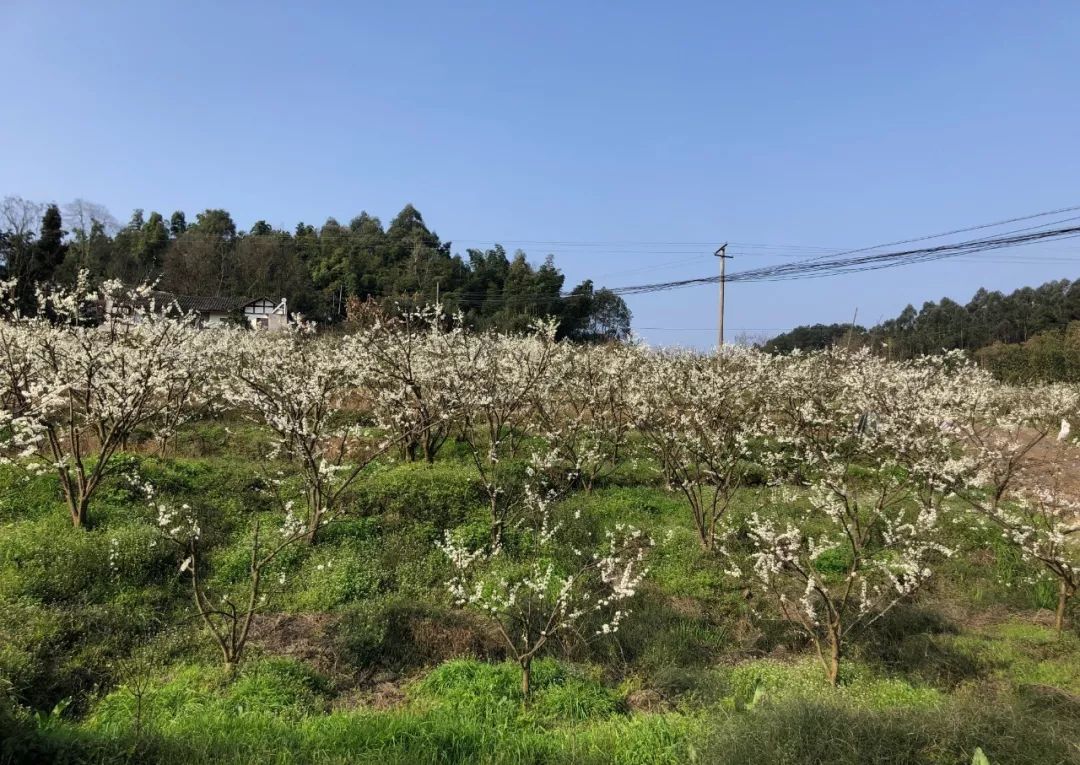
(819, 267)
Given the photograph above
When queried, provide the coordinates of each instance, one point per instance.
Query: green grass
(924, 685)
(1010, 732)
(464, 711)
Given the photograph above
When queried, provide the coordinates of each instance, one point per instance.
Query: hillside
(1023, 334)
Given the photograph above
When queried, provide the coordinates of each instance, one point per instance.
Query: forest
(319, 269)
(1028, 334)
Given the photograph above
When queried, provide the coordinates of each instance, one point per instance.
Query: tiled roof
(197, 304)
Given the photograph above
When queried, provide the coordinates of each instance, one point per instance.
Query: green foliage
(1049, 356)
(50, 562)
(662, 637)
(282, 688)
(681, 568)
(461, 713)
(1030, 334)
(221, 437)
(1023, 654)
(807, 730)
(320, 271)
(26, 496)
(441, 494)
(333, 576)
(835, 561)
(51, 653)
(815, 337)
(559, 692)
(988, 569)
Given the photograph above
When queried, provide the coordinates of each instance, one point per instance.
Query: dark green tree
(177, 224)
(50, 245)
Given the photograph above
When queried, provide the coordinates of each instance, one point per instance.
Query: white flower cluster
(530, 605)
(178, 524)
(75, 389)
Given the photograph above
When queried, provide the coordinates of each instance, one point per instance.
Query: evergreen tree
(50, 245)
(177, 224)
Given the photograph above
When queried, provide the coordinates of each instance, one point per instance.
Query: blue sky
(651, 130)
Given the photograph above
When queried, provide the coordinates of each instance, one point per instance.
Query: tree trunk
(834, 658)
(526, 678)
(315, 503)
(79, 507)
(1065, 592)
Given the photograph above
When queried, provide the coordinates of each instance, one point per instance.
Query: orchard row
(863, 458)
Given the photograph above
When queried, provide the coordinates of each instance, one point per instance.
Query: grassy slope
(367, 668)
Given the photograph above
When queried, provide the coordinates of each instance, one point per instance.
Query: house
(260, 312)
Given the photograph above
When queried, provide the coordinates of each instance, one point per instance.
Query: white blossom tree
(78, 384)
(298, 385)
(700, 416)
(1015, 480)
(865, 440)
(408, 376)
(494, 380)
(228, 616)
(586, 413)
(530, 603)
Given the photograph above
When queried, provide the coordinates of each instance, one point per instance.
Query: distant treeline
(1032, 333)
(317, 268)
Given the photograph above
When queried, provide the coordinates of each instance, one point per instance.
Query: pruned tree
(865, 439)
(298, 385)
(228, 616)
(532, 602)
(1014, 479)
(76, 391)
(409, 374)
(700, 416)
(494, 381)
(586, 413)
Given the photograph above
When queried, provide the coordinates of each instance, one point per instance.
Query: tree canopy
(989, 317)
(317, 268)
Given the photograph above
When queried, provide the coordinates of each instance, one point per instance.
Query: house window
(261, 323)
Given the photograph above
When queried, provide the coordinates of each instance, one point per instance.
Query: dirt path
(1054, 464)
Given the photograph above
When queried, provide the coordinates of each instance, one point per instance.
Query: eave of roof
(209, 304)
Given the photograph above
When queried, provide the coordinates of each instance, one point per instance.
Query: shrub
(401, 634)
(441, 494)
(47, 561)
(26, 496)
(332, 576)
(827, 731)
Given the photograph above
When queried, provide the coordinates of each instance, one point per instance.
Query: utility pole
(851, 329)
(721, 253)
